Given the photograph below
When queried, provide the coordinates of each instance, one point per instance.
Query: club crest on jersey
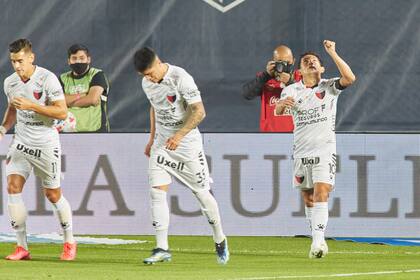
(320, 95)
(37, 94)
(171, 98)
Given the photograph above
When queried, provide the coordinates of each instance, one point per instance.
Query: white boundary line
(294, 252)
(330, 275)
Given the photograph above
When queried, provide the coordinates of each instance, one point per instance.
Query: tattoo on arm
(194, 119)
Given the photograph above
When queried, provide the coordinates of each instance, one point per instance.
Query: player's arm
(198, 114)
(56, 109)
(9, 120)
(152, 132)
(347, 75)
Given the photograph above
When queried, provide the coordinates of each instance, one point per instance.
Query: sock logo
(320, 227)
(65, 225)
(14, 224)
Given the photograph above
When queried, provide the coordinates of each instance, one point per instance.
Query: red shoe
(19, 254)
(69, 252)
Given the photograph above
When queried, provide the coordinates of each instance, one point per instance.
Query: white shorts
(310, 170)
(46, 163)
(189, 165)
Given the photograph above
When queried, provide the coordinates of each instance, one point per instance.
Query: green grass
(193, 258)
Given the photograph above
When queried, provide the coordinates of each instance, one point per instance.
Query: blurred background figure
(268, 85)
(86, 90)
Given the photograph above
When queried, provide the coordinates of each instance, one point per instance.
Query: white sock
(160, 217)
(64, 214)
(308, 214)
(17, 215)
(319, 221)
(210, 209)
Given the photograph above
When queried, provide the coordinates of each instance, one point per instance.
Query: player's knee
(157, 193)
(14, 188)
(53, 195)
(209, 206)
(321, 196)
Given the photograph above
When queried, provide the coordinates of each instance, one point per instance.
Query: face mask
(79, 68)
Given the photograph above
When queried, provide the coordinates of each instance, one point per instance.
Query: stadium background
(380, 40)
(223, 50)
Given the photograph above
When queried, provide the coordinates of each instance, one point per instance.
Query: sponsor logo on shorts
(313, 160)
(29, 151)
(172, 164)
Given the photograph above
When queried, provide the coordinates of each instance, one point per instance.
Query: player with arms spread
(175, 148)
(35, 99)
(313, 104)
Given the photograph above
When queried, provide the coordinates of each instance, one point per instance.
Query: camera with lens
(283, 67)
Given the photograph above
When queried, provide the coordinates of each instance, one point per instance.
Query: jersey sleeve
(53, 89)
(334, 86)
(286, 92)
(100, 80)
(188, 89)
(6, 89)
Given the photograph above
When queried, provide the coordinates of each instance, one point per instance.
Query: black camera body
(283, 67)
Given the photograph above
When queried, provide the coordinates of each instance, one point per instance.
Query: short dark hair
(20, 44)
(144, 58)
(77, 47)
(310, 53)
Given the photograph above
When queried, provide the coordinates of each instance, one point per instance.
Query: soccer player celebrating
(35, 99)
(313, 104)
(175, 148)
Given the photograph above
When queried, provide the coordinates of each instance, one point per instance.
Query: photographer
(269, 85)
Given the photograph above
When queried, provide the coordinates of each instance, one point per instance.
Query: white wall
(252, 183)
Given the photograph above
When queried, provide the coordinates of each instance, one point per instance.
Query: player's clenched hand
(22, 103)
(173, 142)
(287, 103)
(284, 104)
(329, 46)
(148, 148)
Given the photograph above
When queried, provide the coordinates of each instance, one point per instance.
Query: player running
(35, 99)
(175, 148)
(313, 103)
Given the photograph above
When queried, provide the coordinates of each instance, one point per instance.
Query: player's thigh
(48, 167)
(324, 171)
(196, 172)
(17, 163)
(302, 175)
(189, 165)
(158, 176)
